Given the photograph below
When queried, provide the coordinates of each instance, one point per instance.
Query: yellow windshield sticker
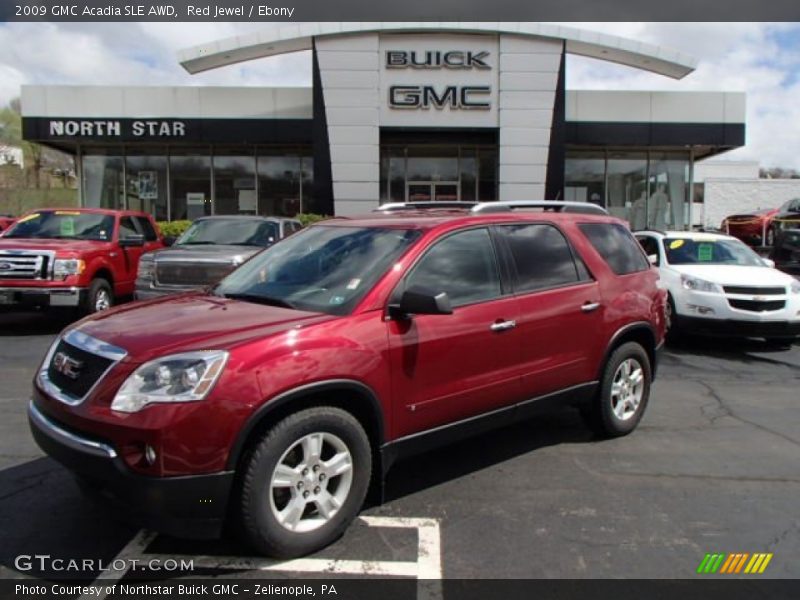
(70, 213)
(676, 244)
(29, 218)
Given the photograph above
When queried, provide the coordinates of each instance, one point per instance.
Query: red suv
(278, 396)
(76, 257)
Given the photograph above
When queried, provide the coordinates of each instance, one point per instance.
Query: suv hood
(736, 275)
(61, 246)
(223, 253)
(193, 321)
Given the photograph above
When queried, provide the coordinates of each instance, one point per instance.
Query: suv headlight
(63, 267)
(186, 377)
(795, 287)
(147, 268)
(699, 285)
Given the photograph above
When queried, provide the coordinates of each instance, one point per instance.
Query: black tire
(97, 289)
(258, 502)
(600, 415)
(674, 332)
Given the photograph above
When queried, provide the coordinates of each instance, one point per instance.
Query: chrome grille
(19, 264)
(191, 274)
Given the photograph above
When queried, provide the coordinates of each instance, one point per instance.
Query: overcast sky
(761, 59)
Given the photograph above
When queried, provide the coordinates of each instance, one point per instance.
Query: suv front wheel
(624, 392)
(305, 481)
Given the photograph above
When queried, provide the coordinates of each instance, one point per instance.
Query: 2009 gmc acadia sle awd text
(277, 397)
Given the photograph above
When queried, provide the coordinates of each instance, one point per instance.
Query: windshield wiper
(259, 299)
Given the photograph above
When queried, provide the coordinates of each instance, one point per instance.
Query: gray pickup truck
(206, 252)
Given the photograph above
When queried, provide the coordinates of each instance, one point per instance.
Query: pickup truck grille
(16, 265)
(87, 368)
(194, 274)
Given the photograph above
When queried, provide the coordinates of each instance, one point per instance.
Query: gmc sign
(472, 97)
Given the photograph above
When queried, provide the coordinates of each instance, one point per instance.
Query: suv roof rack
(498, 206)
(393, 206)
(554, 205)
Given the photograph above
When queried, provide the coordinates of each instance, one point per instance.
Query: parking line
(132, 549)
(427, 569)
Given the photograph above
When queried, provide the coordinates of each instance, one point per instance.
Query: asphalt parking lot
(713, 467)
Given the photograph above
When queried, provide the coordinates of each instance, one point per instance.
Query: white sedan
(719, 286)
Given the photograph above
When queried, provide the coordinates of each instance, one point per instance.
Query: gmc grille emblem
(69, 367)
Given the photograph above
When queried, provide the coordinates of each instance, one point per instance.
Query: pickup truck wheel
(304, 482)
(624, 392)
(100, 296)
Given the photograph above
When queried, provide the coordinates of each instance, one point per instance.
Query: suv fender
(642, 332)
(367, 409)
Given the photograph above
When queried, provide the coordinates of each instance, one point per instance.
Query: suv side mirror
(421, 301)
(768, 262)
(653, 258)
(130, 241)
(169, 240)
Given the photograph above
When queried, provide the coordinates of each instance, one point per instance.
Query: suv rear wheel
(624, 392)
(304, 482)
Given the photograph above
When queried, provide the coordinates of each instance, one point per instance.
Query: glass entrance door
(432, 191)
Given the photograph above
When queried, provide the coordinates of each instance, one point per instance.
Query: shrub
(309, 218)
(173, 228)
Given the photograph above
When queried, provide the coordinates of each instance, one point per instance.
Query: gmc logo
(69, 367)
(473, 97)
(436, 59)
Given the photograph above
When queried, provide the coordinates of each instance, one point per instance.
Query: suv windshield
(64, 224)
(234, 232)
(710, 251)
(320, 269)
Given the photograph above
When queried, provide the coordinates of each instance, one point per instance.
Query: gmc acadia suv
(280, 395)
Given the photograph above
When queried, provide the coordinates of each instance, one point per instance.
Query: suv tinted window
(147, 228)
(616, 245)
(463, 265)
(542, 256)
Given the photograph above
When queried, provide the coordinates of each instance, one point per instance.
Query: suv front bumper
(188, 506)
(42, 296)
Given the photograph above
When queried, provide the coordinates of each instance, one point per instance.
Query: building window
(279, 183)
(146, 181)
(667, 205)
(585, 177)
(102, 179)
(190, 184)
(234, 184)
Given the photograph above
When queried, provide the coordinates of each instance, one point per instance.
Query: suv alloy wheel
(624, 392)
(305, 481)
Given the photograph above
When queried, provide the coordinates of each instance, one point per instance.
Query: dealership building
(396, 112)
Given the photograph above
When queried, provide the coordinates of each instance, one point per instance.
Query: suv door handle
(590, 306)
(502, 325)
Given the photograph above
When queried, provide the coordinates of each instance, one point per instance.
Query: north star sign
(470, 97)
(113, 128)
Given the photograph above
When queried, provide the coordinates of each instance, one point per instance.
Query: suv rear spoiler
(499, 206)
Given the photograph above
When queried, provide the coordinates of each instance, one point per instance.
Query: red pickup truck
(82, 258)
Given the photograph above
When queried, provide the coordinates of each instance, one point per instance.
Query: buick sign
(436, 59)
